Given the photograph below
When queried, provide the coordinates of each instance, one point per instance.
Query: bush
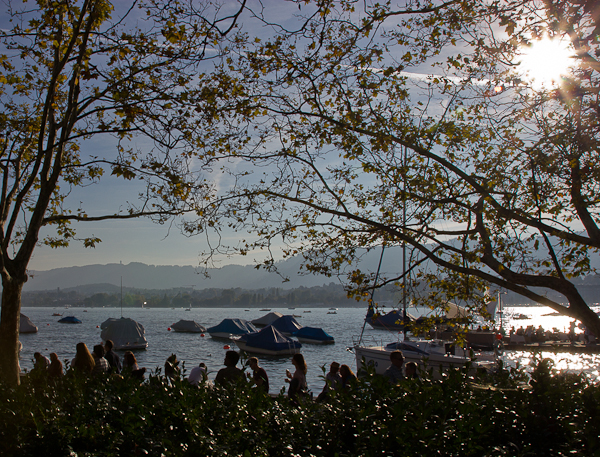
(553, 415)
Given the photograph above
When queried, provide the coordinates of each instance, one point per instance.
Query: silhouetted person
(131, 367)
(411, 370)
(231, 373)
(172, 370)
(83, 361)
(298, 387)
(349, 379)
(259, 375)
(198, 375)
(332, 381)
(55, 370)
(394, 371)
(102, 365)
(112, 358)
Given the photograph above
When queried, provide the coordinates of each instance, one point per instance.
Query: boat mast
(404, 246)
(372, 293)
(121, 297)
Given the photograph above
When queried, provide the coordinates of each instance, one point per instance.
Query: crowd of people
(104, 361)
(540, 335)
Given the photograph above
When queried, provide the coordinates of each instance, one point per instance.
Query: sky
(129, 241)
(142, 240)
(136, 240)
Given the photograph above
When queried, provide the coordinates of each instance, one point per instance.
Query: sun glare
(544, 62)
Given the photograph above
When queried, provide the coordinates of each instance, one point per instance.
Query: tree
(70, 72)
(356, 145)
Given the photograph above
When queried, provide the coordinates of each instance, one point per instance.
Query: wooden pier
(554, 346)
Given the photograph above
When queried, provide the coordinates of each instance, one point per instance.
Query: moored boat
(436, 354)
(287, 325)
(268, 341)
(69, 320)
(231, 327)
(314, 335)
(267, 319)
(393, 320)
(25, 325)
(187, 326)
(125, 333)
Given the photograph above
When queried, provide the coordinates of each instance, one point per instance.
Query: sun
(545, 61)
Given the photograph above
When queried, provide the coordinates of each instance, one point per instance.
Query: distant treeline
(333, 294)
(325, 296)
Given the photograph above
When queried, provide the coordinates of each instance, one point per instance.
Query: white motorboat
(436, 354)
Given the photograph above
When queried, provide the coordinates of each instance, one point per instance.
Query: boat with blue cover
(314, 335)
(231, 327)
(287, 325)
(69, 320)
(394, 320)
(269, 341)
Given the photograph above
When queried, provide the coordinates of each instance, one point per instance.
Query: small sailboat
(125, 333)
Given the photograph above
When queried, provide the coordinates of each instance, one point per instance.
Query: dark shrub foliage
(553, 415)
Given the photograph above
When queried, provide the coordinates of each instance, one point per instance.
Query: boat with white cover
(125, 333)
(267, 319)
(186, 326)
(25, 325)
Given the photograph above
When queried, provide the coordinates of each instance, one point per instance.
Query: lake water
(191, 348)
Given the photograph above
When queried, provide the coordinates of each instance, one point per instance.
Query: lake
(191, 348)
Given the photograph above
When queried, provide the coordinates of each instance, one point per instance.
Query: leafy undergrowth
(553, 415)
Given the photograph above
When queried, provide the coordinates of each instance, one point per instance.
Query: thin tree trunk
(9, 330)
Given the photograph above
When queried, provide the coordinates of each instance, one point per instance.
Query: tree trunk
(585, 315)
(9, 330)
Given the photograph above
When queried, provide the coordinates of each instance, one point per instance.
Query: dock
(554, 346)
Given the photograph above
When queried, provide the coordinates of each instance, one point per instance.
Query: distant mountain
(107, 278)
(141, 276)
